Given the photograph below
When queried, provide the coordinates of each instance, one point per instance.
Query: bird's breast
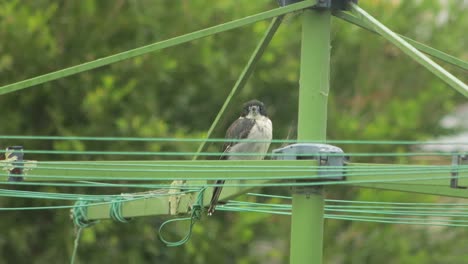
(262, 130)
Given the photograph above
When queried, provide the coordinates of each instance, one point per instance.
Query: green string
(222, 140)
(238, 168)
(393, 220)
(75, 246)
(93, 165)
(81, 221)
(287, 211)
(255, 210)
(115, 211)
(310, 173)
(406, 212)
(211, 154)
(464, 208)
(257, 184)
(197, 211)
(80, 215)
(269, 196)
(411, 213)
(389, 220)
(392, 203)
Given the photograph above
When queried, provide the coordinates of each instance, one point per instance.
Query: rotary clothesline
(158, 174)
(361, 16)
(101, 173)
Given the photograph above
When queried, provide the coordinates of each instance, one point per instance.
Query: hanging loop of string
(115, 211)
(195, 216)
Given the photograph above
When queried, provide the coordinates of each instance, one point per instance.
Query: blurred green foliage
(377, 93)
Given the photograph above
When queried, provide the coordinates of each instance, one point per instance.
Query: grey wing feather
(240, 129)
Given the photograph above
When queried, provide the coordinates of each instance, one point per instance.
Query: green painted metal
(424, 48)
(307, 203)
(411, 51)
(247, 170)
(169, 170)
(162, 205)
(133, 208)
(307, 228)
(156, 46)
(314, 76)
(242, 80)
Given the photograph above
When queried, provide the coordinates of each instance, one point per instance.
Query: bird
(253, 124)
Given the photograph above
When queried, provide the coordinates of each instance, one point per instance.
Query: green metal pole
(307, 204)
(411, 51)
(421, 47)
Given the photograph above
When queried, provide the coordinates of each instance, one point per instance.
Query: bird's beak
(254, 110)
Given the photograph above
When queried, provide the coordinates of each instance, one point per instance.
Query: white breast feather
(262, 130)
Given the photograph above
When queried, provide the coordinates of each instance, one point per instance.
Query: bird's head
(253, 108)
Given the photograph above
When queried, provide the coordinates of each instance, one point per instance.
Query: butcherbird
(253, 124)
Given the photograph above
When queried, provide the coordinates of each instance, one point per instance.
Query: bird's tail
(214, 199)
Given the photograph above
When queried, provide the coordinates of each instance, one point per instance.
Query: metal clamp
(14, 155)
(456, 161)
(331, 159)
(14, 163)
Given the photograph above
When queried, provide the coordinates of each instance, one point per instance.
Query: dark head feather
(261, 106)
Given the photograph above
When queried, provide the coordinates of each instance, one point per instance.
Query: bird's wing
(239, 129)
